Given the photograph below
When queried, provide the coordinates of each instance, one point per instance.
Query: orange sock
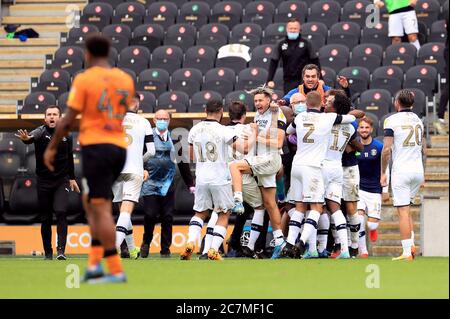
(95, 256)
(113, 262)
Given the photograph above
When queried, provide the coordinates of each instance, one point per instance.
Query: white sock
(354, 224)
(290, 212)
(334, 232)
(238, 197)
(278, 236)
(123, 223)
(129, 237)
(372, 225)
(257, 227)
(209, 231)
(195, 228)
(312, 242)
(295, 225)
(322, 232)
(310, 225)
(362, 235)
(341, 229)
(219, 236)
(412, 236)
(416, 44)
(406, 244)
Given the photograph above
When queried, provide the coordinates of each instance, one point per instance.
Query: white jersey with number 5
(137, 129)
(211, 141)
(407, 130)
(341, 135)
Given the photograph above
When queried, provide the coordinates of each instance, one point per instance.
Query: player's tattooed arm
(385, 158)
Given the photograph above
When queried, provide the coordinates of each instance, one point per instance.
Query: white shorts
(350, 185)
(307, 184)
(370, 203)
(213, 197)
(265, 168)
(405, 186)
(403, 23)
(251, 192)
(290, 196)
(127, 187)
(333, 178)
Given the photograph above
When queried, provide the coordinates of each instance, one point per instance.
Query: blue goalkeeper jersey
(369, 162)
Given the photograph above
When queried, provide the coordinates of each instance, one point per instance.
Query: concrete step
(15, 86)
(7, 108)
(38, 42)
(437, 165)
(434, 177)
(22, 56)
(439, 141)
(437, 152)
(21, 10)
(390, 251)
(35, 20)
(29, 51)
(390, 213)
(42, 29)
(50, 1)
(435, 189)
(13, 96)
(22, 64)
(14, 74)
(392, 239)
(393, 227)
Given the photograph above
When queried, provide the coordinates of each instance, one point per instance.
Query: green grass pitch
(233, 278)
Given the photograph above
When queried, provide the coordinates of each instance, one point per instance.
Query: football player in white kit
(267, 162)
(313, 129)
(404, 135)
(209, 141)
(127, 187)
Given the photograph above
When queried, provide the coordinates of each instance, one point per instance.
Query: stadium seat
(196, 13)
(387, 77)
(278, 79)
(155, 81)
(62, 101)
(358, 78)
(326, 11)
(355, 11)
(316, 33)
(438, 32)
(77, 36)
(174, 101)
(445, 13)
(260, 12)
(277, 95)
(98, 14)
(214, 35)
(376, 123)
(248, 34)
(334, 56)
(113, 56)
(402, 55)
(35, 103)
(432, 54)
(201, 57)
(167, 57)
(376, 101)
(211, 3)
(427, 11)
(10, 143)
(130, 73)
(53, 81)
(345, 33)
(367, 55)
(274, 33)
(136, 58)
(129, 13)
(120, 35)
(147, 102)
(30, 160)
(261, 56)
(69, 58)
(23, 201)
(242, 96)
(377, 35)
(233, 56)
(291, 9)
(181, 35)
(162, 12)
(422, 77)
(221, 80)
(328, 76)
(199, 100)
(420, 101)
(251, 78)
(113, 3)
(186, 80)
(150, 36)
(227, 12)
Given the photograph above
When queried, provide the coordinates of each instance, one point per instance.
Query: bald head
(297, 97)
(161, 115)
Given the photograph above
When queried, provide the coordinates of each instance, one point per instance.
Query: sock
(113, 262)
(210, 231)
(218, 237)
(257, 227)
(362, 244)
(95, 254)
(312, 242)
(130, 239)
(295, 225)
(322, 232)
(355, 225)
(412, 237)
(238, 197)
(406, 244)
(281, 194)
(278, 236)
(372, 225)
(416, 44)
(195, 228)
(123, 223)
(310, 225)
(341, 229)
(334, 233)
(347, 227)
(290, 212)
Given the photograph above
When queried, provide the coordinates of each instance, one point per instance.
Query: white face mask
(299, 107)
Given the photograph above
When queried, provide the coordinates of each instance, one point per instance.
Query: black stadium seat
(423, 77)
(77, 36)
(181, 35)
(162, 12)
(98, 14)
(150, 36)
(136, 58)
(53, 81)
(196, 13)
(427, 11)
(242, 96)
(248, 34)
(291, 9)
(316, 33)
(326, 11)
(23, 201)
(113, 3)
(147, 102)
(274, 33)
(221, 80)
(355, 11)
(35, 103)
(261, 56)
(402, 55)
(334, 56)
(167, 57)
(358, 78)
(155, 81)
(120, 35)
(129, 13)
(387, 77)
(432, 54)
(62, 101)
(201, 57)
(214, 35)
(367, 55)
(69, 58)
(260, 12)
(227, 12)
(186, 80)
(345, 33)
(328, 76)
(251, 78)
(376, 35)
(376, 101)
(199, 100)
(438, 32)
(174, 101)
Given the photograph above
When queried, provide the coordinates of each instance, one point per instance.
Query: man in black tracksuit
(295, 52)
(53, 187)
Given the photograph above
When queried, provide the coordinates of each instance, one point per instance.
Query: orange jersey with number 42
(102, 96)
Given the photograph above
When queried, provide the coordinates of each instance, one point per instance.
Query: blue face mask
(162, 125)
(299, 108)
(292, 35)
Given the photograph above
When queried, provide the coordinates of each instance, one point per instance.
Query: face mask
(161, 125)
(292, 35)
(299, 108)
